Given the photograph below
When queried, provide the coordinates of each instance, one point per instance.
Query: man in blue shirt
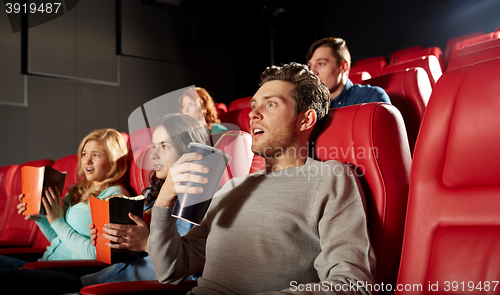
(330, 60)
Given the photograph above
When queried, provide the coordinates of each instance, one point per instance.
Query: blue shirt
(356, 94)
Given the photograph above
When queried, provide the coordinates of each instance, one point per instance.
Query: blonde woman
(102, 165)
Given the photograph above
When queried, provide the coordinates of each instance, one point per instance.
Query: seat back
(410, 55)
(409, 91)
(396, 54)
(139, 177)
(239, 103)
(453, 222)
(6, 176)
(474, 57)
(221, 108)
(429, 63)
(17, 231)
(450, 45)
(238, 145)
(238, 117)
(475, 40)
(476, 47)
(358, 77)
(372, 138)
(372, 65)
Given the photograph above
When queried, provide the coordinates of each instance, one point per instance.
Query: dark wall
(376, 28)
(90, 68)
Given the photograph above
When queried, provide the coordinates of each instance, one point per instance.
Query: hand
(21, 207)
(126, 236)
(176, 175)
(93, 234)
(53, 205)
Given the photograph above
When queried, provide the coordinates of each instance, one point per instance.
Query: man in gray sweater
(298, 226)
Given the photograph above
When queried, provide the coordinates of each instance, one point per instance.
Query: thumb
(136, 219)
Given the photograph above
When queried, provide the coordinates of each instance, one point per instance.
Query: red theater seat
(6, 177)
(396, 54)
(372, 138)
(221, 108)
(452, 229)
(238, 117)
(474, 57)
(409, 91)
(372, 65)
(476, 47)
(240, 103)
(17, 231)
(358, 77)
(450, 45)
(429, 63)
(475, 40)
(410, 55)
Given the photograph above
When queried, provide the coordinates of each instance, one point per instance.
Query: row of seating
(431, 59)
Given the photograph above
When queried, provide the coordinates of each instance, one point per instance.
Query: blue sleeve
(379, 94)
(46, 229)
(77, 243)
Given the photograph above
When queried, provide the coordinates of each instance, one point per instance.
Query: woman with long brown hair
(200, 105)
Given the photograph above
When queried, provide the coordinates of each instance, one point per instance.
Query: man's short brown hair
(338, 47)
(309, 91)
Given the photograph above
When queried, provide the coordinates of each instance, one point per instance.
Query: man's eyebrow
(267, 97)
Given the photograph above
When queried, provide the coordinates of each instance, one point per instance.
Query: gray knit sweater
(295, 230)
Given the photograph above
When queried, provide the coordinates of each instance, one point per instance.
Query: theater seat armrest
(138, 287)
(26, 253)
(72, 267)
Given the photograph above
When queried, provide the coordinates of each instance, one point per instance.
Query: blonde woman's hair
(116, 149)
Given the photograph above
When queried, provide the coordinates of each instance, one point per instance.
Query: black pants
(34, 281)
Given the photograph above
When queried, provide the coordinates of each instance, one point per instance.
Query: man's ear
(344, 66)
(309, 118)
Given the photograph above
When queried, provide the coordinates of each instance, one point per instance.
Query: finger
(184, 189)
(57, 192)
(118, 227)
(188, 157)
(21, 196)
(137, 219)
(21, 205)
(48, 197)
(113, 232)
(189, 167)
(117, 246)
(52, 195)
(21, 209)
(91, 226)
(189, 177)
(46, 204)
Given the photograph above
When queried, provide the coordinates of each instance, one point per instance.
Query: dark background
(93, 66)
